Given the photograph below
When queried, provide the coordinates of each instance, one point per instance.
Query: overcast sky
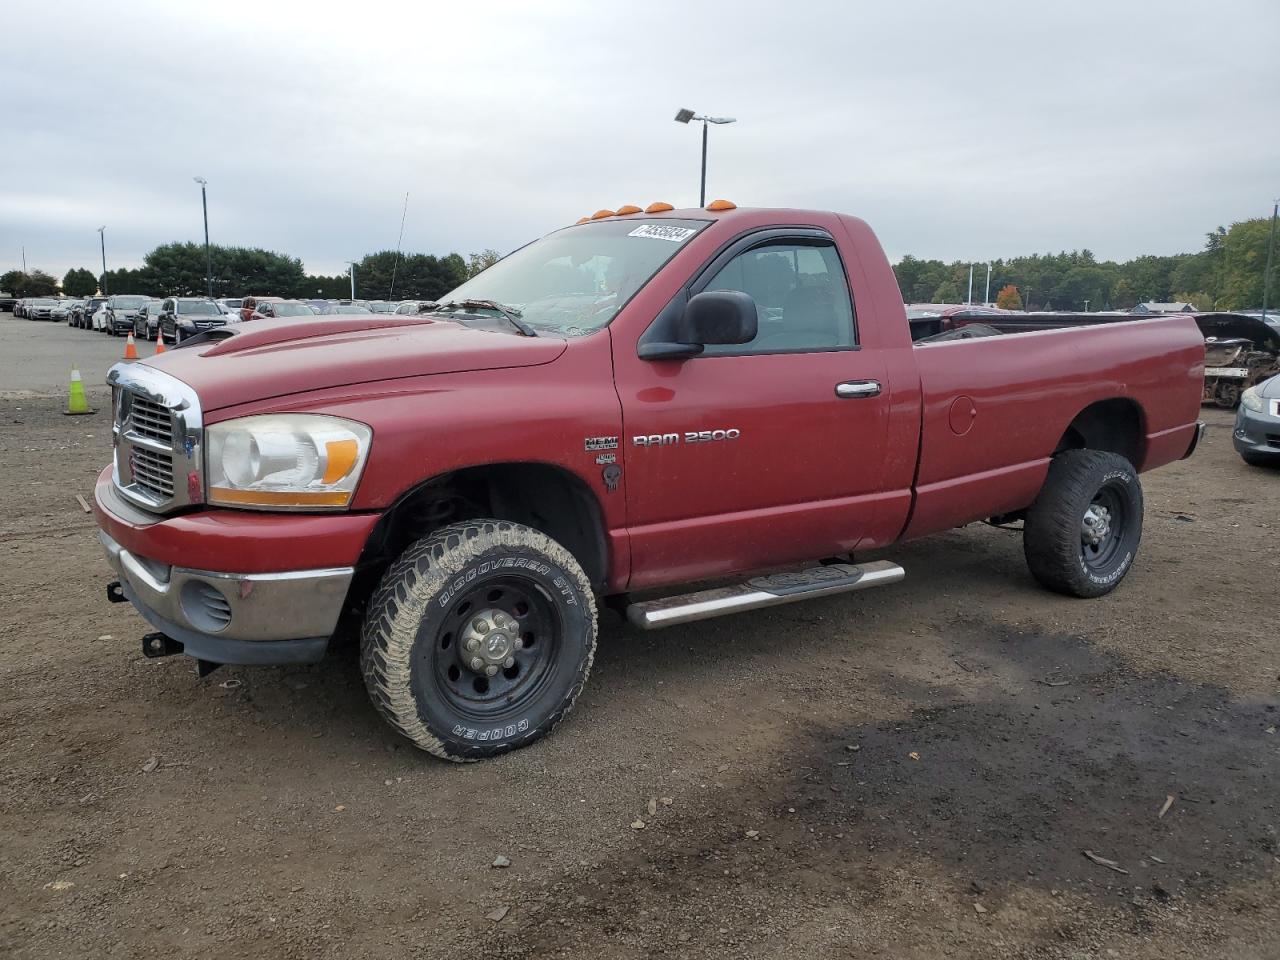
(957, 130)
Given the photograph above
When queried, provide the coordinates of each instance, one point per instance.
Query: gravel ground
(909, 772)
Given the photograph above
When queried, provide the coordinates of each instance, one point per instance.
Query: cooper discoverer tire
(1082, 533)
(479, 639)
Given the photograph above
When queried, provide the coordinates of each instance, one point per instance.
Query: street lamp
(684, 116)
(208, 258)
(1266, 277)
(352, 265)
(102, 237)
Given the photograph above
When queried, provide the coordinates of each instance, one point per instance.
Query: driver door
(758, 454)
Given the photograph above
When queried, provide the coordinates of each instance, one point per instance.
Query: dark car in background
(7, 301)
(82, 313)
(121, 311)
(146, 324)
(1256, 436)
(184, 317)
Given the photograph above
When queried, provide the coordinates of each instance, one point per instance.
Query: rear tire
(482, 589)
(1083, 531)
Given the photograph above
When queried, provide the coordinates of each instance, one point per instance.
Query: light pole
(208, 258)
(351, 264)
(102, 238)
(986, 300)
(1086, 306)
(684, 116)
(1266, 277)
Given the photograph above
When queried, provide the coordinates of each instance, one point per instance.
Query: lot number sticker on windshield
(659, 231)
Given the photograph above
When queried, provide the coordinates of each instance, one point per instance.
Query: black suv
(122, 308)
(183, 317)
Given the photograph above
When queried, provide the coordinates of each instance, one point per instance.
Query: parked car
(1257, 432)
(184, 317)
(146, 324)
(98, 321)
(383, 306)
(283, 308)
(468, 488)
(82, 313)
(122, 310)
(62, 310)
(249, 305)
(20, 307)
(7, 301)
(345, 308)
(40, 308)
(411, 308)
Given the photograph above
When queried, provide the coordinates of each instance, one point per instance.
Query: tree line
(178, 269)
(1226, 275)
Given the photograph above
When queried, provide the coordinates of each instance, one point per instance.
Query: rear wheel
(479, 639)
(1082, 533)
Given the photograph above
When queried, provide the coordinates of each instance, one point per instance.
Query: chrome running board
(769, 591)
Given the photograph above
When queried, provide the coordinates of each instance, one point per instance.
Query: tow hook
(115, 593)
(156, 645)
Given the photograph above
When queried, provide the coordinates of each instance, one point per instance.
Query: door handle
(858, 388)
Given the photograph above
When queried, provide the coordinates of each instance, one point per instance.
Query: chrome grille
(157, 435)
(153, 471)
(151, 420)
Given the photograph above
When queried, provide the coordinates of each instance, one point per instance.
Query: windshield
(199, 307)
(349, 308)
(154, 304)
(128, 303)
(43, 303)
(574, 281)
(292, 310)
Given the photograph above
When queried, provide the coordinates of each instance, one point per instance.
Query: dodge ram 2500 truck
(624, 408)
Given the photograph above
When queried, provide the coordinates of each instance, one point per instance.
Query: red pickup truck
(638, 402)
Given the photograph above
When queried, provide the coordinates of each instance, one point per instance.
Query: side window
(801, 295)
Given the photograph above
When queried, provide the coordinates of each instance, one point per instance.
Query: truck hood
(261, 359)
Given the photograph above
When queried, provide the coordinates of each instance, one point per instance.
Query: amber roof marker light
(684, 116)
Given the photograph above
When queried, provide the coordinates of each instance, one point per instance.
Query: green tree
(1009, 298)
(483, 260)
(36, 283)
(1244, 260)
(1201, 301)
(79, 283)
(418, 276)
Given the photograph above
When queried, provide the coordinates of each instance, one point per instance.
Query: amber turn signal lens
(628, 208)
(342, 456)
(601, 214)
(722, 205)
(584, 220)
(658, 207)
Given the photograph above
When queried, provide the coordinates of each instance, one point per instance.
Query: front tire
(1082, 533)
(479, 639)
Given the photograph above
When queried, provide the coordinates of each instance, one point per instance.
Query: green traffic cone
(77, 402)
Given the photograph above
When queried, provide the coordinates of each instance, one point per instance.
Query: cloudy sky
(960, 131)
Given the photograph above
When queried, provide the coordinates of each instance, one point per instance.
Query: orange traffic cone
(159, 345)
(130, 349)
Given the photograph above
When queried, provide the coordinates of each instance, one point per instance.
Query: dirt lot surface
(909, 772)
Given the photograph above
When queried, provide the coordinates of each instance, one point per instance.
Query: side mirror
(710, 317)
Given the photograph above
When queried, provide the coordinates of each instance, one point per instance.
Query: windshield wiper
(510, 314)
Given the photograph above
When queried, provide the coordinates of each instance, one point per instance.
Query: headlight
(288, 460)
(1251, 400)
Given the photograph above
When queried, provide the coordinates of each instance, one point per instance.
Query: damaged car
(1240, 351)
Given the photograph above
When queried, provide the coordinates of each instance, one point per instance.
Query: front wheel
(479, 639)
(1082, 533)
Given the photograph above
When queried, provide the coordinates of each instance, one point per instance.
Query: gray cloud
(956, 132)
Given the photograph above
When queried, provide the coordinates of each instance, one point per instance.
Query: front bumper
(245, 618)
(1258, 432)
(174, 569)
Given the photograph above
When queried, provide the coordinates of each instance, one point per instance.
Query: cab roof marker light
(628, 208)
(659, 207)
(722, 205)
(601, 214)
(583, 220)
